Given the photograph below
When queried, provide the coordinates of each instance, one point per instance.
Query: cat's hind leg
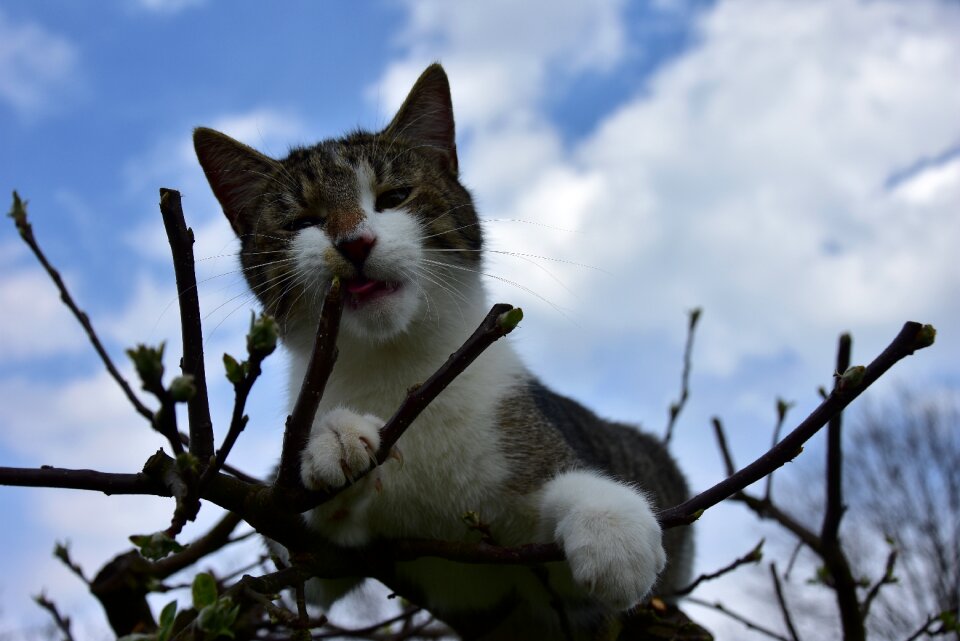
(608, 532)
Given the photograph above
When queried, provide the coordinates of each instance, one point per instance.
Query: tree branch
(106, 482)
(19, 215)
(787, 619)
(181, 247)
(753, 556)
(834, 499)
(322, 359)
(912, 337)
(677, 406)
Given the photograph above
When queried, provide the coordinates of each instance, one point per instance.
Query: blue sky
(793, 169)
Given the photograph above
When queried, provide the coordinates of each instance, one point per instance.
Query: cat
(387, 213)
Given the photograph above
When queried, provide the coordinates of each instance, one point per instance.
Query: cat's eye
(302, 223)
(392, 198)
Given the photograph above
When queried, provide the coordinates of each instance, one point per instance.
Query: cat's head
(383, 211)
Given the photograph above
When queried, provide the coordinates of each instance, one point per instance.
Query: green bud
(852, 377)
(695, 316)
(262, 338)
(155, 546)
(926, 336)
(782, 408)
(509, 320)
(183, 388)
(217, 618)
(149, 364)
(188, 463)
(235, 371)
(18, 211)
(204, 590)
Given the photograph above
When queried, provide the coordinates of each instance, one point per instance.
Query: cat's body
(386, 213)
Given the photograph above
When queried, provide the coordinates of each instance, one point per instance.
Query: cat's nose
(357, 249)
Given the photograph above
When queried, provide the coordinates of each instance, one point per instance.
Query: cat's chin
(378, 311)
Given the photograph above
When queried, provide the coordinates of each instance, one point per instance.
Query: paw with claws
(342, 445)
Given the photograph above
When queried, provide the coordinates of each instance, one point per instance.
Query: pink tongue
(361, 287)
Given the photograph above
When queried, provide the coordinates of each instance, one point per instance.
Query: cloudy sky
(792, 168)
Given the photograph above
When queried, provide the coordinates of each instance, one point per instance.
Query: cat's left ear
(426, 116)
(239, 175)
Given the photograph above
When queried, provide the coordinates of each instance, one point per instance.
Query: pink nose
(356, 250)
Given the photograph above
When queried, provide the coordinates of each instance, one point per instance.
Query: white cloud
(35, 66)
(167, 6)
(501, 55)
(747, 177)
(35, 322)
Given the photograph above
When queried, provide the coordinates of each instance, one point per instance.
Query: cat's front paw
(342, 444)
(610, 536)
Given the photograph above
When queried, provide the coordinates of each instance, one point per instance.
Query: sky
(791, 168)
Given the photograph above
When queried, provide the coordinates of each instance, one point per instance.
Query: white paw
(342, 444)
(612, 541)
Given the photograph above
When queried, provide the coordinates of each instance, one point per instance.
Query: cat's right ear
(237, 173)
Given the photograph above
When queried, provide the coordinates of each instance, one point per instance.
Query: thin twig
(886, 579)
(834, 499)
(793, 559)
(753, 556)
(677, 406)
(782, 408)
(181, 247)
(62, 622)
(216, 538)
(724, 449)
(322, 359)
(719, 607)
(62, 552)
(19, 215)
(787, 619)
(925, 628)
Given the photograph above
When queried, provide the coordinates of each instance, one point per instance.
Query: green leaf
(155, 546)
(167, 618)
(235, 370)
(204, 590)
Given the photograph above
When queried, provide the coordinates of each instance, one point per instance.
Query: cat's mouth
(362, 290)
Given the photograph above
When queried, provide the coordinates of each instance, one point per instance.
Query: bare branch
(834, 499)
(181, 247)
(912, 337)
(62, 622)
(106, 482)
(787, 619)
(719, 607)
(753, 556)
(722, 444)
(19, 215)
(322, 359)
(677, 406)
(782, 408)
(886, 579)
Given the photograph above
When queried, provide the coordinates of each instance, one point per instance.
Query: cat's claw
(341, 447)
